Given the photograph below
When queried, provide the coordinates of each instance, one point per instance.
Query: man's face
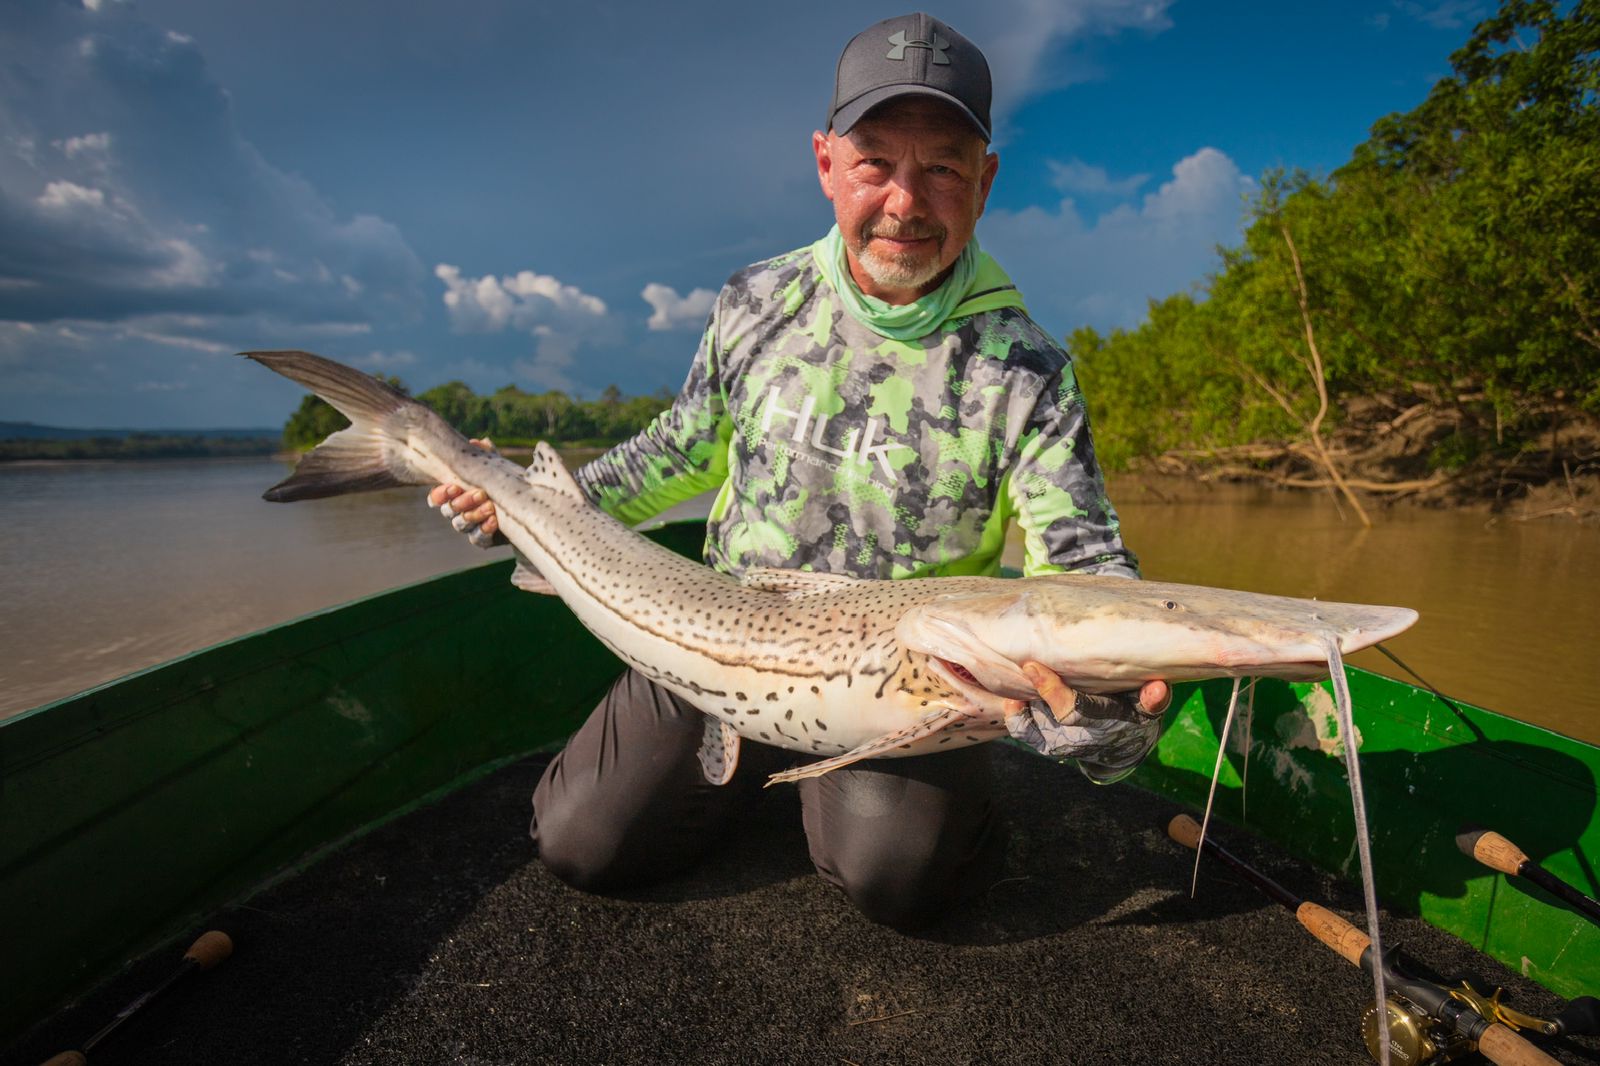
(908, 184)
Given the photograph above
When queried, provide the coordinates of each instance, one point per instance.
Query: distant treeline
(137, 446)
(1442, 288)
(510, 416)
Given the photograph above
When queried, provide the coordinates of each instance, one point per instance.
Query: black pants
(625, 804)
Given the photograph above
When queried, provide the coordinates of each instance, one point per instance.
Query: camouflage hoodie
(838, 449)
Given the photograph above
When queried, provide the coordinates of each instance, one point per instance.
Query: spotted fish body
(822, 664)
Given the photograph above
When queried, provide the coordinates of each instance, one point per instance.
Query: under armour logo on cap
(925, 58)
(938, 46)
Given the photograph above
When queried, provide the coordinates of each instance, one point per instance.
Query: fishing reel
(1420, 1037)
(1416, 1038)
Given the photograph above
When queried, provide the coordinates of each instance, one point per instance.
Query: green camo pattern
(839, 450)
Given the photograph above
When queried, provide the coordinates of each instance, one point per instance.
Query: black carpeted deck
(440, 939)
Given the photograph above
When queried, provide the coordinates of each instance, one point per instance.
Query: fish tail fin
(373, 452)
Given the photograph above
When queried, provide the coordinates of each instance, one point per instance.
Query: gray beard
(895, 273)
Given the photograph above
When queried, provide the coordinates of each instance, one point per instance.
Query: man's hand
(1108, 735)
(471, 512)
(1069, 706)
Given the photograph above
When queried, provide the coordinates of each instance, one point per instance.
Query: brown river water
(106, 568)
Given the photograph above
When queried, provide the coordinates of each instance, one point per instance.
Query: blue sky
(503, 191)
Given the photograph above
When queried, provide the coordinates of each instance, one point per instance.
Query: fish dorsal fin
(888, 744)
(526, 577)
(795, 583)
(547, 471)
(719, 752)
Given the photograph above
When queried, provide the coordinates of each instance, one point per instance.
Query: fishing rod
(206, 952)
(1498, 853)
(1428, 1023)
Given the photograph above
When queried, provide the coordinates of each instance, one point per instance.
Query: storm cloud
(126, 190)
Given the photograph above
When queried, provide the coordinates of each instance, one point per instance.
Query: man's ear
(991, 167)
(824, 153)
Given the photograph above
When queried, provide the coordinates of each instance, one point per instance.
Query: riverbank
(137, 446)
(1418, 449)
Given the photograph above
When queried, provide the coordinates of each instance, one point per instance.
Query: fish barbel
(823, 664)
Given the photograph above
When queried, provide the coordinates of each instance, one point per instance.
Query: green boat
(135, 812)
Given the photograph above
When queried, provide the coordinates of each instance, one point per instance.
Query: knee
(902, 892)
(577, 853)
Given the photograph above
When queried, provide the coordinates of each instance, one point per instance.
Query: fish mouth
(964, 661)
(964, 680)
(960, 671)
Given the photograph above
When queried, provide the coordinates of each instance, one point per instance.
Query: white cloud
(560, 317)
(671, 311)
(1076, 176)
(65, 196)
(1444, 14)
(1102, 273)
(173, 340)
(1017, 38)
(522, 301)
(87, 144)
(186, 266)
(384, 362)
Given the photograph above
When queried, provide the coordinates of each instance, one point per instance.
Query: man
(877, 404)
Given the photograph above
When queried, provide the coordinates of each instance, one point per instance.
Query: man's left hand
(1108, 736)
(1068, 706)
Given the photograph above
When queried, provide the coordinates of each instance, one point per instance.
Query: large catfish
(822, 664)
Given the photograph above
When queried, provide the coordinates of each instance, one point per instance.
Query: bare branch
(1319, 378)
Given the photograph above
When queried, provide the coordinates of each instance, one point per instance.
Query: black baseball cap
(911, 55)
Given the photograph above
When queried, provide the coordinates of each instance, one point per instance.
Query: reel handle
(1499, 1044)
(1581, 1017)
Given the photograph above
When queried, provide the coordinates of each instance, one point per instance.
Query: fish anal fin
(526, 577)
(887, 744)
(719, 752)
(794, 583)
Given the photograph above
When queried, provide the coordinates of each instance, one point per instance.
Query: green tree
(314, 420)
(508, 415)
(458, 405)
(1452, 264)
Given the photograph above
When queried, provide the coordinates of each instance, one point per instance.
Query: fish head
(1108, 634)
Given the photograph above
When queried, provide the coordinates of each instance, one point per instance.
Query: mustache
(901, 231)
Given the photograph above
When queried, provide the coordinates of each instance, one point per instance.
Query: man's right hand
(470, 510)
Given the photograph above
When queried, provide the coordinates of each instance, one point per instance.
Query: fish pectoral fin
(526, 577)
(719, 752)
(794, 583)
(887, 744)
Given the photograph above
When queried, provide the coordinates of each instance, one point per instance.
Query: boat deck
(439, 938)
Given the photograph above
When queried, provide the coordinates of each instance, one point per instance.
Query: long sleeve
(681, 454)
(1057, 493)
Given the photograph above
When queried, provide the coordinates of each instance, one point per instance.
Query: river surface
(106, 568)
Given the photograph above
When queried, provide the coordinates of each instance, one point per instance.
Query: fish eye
(1170, 605)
